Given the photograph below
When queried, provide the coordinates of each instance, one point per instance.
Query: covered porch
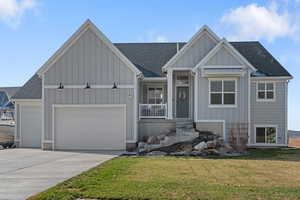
(169, 97)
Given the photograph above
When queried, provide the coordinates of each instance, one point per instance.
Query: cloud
(254, 22)
(11, 11)
(153, 36)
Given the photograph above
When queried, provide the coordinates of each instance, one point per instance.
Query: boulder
(153, 140)
(212, 144)
(211, 152)
(156, 153)
(201, 146)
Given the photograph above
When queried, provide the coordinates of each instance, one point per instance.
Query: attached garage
(30, 125)
(89, 127)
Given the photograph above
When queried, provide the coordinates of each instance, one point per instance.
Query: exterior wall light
(114, 86)
(87, 86)
(61, 86)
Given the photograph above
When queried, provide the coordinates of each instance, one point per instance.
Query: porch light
(114, 86)
(61, 86)
(87, 86)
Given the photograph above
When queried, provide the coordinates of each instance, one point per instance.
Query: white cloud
(11, 11)
(254, 22)
(153, 36)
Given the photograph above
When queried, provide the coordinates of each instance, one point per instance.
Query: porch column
(170, 93)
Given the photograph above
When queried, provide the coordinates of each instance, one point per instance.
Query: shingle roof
(149, 58)
(260, 58)
(32, 89)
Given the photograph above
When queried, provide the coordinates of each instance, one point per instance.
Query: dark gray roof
(32, 89)
(10, 91)
(149, 58)
(260, 58)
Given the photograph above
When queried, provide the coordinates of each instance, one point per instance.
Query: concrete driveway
(24, 172)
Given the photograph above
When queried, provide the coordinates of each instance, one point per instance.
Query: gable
(88, 25)
(89, 59)
(223, 57)
(195, 50)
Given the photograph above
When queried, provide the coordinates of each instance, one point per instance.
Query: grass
(263, 174)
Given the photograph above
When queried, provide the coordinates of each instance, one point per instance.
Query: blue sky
(32, 30)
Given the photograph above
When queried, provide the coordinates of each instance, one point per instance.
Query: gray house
(93, 94)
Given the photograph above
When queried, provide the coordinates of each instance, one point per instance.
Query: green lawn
(263, 174)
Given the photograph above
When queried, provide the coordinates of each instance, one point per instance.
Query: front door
(182, 102)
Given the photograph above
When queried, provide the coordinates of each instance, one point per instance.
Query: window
(222, 92)
(182, 79)
(266, 135)
(265, 91)
(155, 95)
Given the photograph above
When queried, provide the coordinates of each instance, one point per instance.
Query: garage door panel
(90, 128)
(31, 126)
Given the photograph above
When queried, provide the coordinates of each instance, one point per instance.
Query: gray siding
(89, 60)
(196, 52)
(223, 57)
(17, 121)
(231, 116)
(155, 127)
(214, 127)
(270, 113)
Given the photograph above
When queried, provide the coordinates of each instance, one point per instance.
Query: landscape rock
(211, 144)
(201, 146)
(1, 147)
(211, 152)
(156, 153)
(153, 140)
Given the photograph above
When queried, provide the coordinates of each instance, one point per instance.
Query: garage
(89, 127)
(30, 126)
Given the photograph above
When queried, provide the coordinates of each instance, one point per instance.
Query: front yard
(263, 174)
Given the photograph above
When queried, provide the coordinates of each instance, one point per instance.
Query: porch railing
(153, 111)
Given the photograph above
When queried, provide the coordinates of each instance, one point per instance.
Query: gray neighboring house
(93, 94)
(6, 94)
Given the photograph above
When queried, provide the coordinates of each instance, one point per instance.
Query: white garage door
(31, 126)
(90, 128)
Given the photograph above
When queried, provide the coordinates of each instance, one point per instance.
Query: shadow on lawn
(278, 154)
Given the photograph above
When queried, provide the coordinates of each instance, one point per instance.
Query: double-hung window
(265, 91)
(155, 95)
(222, 92)
(266, 134)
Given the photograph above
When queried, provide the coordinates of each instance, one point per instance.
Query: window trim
(156, 87)
(265, 99)
(265, 126)
(222, 105)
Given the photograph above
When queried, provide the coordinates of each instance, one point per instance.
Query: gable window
(266, 134)
(155, 95)
(265, 91)
(222, 92)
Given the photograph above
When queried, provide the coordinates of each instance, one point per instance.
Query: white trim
(16, 124)
(265, 126)
(27, 100)
(87, 25)
(216, 121)
(232, 51)
(224, 67)
(265, 99)
(196, 82)
(48, 141)
(43, 112)
(86, 106)
(170, 94)
(92, 86)
(286, 113)
(235, 105)
(283, 78)
(249, 107)
(204, 30)
(154, 79)
(135, 111)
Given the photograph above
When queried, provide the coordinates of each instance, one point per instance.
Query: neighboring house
(93, 94)
(6, 106)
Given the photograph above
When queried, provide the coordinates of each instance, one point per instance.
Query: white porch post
(170, 93)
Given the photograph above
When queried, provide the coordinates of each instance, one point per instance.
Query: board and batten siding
(271, 112)
(196, 52)
(223, 57)
(232, 116)
(88, 60)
